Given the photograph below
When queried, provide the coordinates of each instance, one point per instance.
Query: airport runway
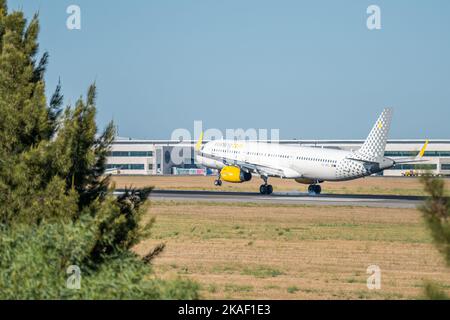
(295, 198)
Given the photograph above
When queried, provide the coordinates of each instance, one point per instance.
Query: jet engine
(234, 174)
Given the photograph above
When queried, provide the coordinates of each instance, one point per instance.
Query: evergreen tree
(88, 152)
(55, 207)
(24, 114)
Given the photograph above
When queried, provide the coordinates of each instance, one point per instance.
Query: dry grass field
(370, 185)
(250, 251)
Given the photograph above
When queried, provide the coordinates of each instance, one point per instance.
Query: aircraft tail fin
(375, 144)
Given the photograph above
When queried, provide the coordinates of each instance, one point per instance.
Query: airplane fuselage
(305, 164)
(236, 161)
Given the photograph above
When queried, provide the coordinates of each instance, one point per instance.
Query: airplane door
(245, 151)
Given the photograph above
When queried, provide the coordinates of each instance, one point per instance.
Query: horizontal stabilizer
(416, 159)
(363, 161)
(401, 161)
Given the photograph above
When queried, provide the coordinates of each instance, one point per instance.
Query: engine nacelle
(234, 174)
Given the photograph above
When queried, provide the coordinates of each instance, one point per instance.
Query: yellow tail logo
(424, 148)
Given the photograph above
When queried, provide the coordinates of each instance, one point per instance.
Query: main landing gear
(265, 188)
(314, 189)
(218, 182)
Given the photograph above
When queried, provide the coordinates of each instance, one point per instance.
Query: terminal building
(165, 157)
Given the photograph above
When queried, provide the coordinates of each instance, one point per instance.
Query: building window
(134, 166)
(141, 154)
(445, 166)
(150, 166)
(415, 153)
(119, 154)
(167, 156)
(415, 167)
(443, 153)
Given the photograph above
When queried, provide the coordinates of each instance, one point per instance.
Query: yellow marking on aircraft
(380, 124)
(237, 145)
(424, 148)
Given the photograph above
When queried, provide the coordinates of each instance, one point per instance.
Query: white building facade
(139, 157)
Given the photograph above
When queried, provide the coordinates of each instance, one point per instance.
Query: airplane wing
(255, 168)
(259, 169)
(247, 166)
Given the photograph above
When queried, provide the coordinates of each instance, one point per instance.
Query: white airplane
(236, 161)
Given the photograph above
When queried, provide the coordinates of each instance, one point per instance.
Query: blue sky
(309, 68)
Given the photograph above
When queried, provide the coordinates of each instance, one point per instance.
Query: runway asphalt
(294, 198)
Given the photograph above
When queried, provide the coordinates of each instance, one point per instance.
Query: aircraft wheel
(217, 183)
(314, 189)
(263, 189)
(318, 189)
(266, 189)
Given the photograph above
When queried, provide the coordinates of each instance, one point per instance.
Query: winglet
(422, 151)
(198, 146)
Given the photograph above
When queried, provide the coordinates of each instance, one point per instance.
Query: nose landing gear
(314, 189)
(265, 188)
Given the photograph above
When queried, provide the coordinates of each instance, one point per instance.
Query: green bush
(34, 261)
(436, 213)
